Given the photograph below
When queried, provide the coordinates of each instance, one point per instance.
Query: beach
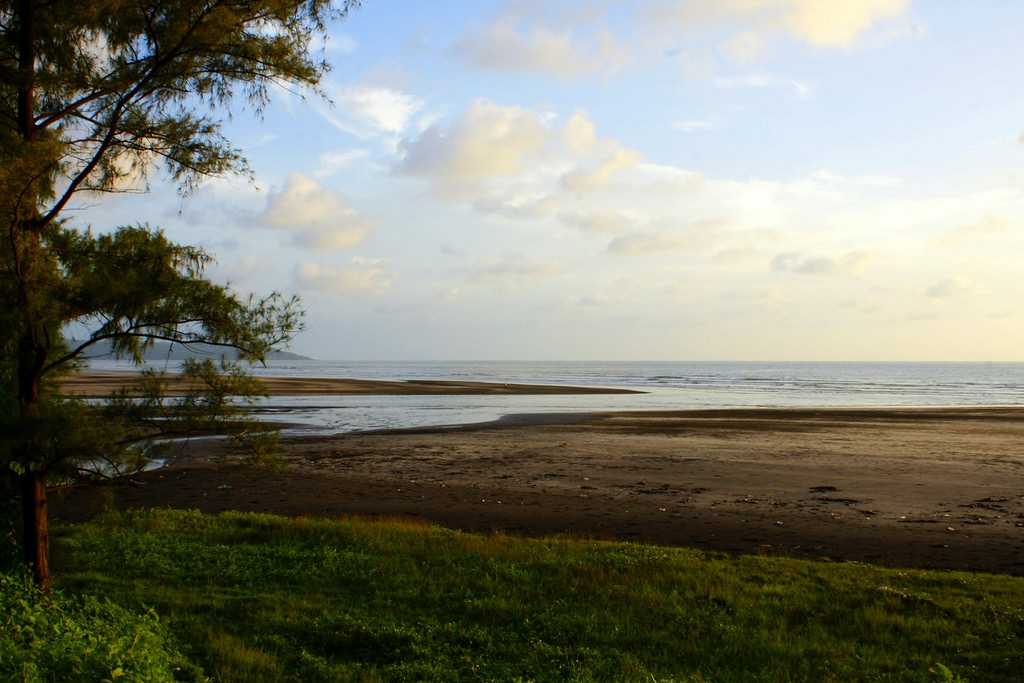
(103, 384)
(924, 487)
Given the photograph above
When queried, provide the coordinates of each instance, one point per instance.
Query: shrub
(58, 638)
(10, 551)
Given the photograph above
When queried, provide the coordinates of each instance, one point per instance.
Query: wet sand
(102, 384)
(935, 488)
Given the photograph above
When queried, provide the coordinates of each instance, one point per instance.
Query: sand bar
(100, 384)
(937, 488)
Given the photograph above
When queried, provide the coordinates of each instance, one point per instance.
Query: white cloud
(580, 133)
(697, 235)
(795, 262)
(651, 242)
(597, 176)
(361, 276)
(519, 163)
(836, 23)
(371, 112)
(315, 216)
(536, 167)
(509, 270)
(246, 269)
(262, 140)
(734, 255)
(822, 23)
(547, 38)
(333, 161)
(521, 207)
(827, 177)
(691, 125)
(341, 43)
(989, 226)
(598, 221)
(747, 46)
(380, 109)
(762, 81)
(956, 285)
(488, 141)
(505, 46)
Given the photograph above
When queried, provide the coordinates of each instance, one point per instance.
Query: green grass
(257, 597)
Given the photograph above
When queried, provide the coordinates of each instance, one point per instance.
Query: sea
(667, 385)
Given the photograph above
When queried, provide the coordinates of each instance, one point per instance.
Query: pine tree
(94, 94)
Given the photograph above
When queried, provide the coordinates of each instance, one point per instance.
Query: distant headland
(167, 351)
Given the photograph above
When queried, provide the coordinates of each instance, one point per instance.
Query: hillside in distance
(167, 351)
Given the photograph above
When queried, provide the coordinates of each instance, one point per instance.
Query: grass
(257, 597)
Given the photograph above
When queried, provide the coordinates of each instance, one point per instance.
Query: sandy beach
(101, 384)
(937, 488)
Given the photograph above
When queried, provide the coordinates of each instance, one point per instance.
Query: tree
(94, 95)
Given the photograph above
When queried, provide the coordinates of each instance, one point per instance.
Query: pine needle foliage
(95, 97)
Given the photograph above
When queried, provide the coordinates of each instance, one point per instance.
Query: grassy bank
(255, 597)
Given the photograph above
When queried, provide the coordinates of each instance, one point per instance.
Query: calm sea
(668, 385)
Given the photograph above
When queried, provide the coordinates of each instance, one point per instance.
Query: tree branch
(77, 351)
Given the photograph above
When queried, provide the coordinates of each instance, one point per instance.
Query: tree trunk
(33, 343)
(35, 518)
(36, 536)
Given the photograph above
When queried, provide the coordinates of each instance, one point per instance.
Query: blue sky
(669, 179)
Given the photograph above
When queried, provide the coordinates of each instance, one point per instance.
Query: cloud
(510, 269)
(512, 161)
(827, 177)
(597, 176)
(762, 81)
(795, 262)
(598, 221)
(383, 109)
(825, 24)
(361, 276)
(241, 268)
(488, 141)
(697, 235)
(333, 161)
(523, 207)
(691, 125)
(315, 216)
(990, 225)
(650, 242)
(747, 46)
(341, 43)
(552, 172)
(565, 42)
(734, 255)
(580, 133)
(262, 141)
(837, 23)
(368, 111)
(504, 45)
(956, 285)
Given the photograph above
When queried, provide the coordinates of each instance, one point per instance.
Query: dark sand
(936, 488)
(101, 384)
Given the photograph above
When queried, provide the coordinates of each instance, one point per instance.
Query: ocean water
(667, 385)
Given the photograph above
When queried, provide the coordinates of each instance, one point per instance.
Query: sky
(635, 180)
